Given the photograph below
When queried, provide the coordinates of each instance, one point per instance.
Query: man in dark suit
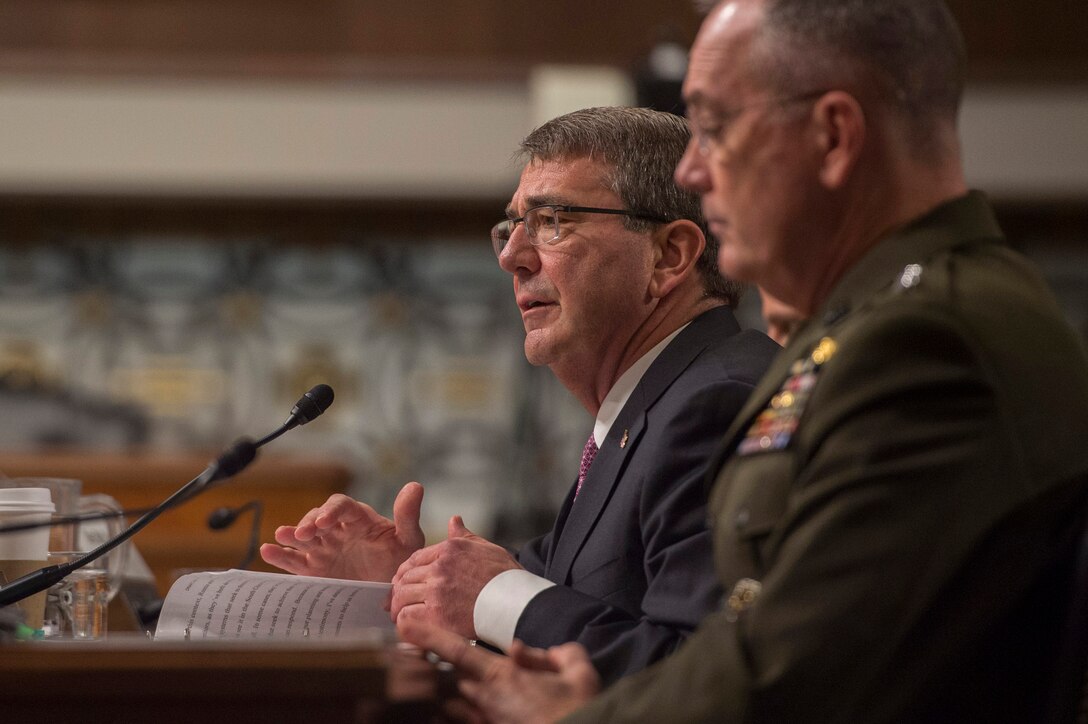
(895, 510)
(620, 297)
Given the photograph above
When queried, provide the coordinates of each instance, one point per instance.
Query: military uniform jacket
(894, 509)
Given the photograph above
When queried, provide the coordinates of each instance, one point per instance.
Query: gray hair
(641, 149)
(910, 53)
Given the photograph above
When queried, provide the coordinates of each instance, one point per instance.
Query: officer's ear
(840, 131)
(677, 247)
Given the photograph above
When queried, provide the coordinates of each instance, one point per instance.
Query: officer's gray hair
(909, 53)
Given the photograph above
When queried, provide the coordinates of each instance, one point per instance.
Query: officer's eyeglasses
(709, 129)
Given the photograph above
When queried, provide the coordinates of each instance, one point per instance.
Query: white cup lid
(37, 500)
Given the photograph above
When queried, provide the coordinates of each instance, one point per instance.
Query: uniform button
(743, 516)
(911, 276)
(743, 595)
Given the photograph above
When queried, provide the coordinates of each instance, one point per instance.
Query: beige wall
(373, 139)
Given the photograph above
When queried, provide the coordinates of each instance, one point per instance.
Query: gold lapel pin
(623, 442)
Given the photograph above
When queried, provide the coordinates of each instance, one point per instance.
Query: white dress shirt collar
(621, 391)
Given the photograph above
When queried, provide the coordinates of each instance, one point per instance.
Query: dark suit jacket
(895, 508)
(632, 555)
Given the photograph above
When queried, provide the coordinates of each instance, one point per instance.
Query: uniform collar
(962, 220)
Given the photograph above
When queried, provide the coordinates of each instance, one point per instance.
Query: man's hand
(439, 584)
(347, 539)
(528, 686)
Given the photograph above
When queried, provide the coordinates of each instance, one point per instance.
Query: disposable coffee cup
(25, 551)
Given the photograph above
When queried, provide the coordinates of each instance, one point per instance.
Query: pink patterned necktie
(588, 453)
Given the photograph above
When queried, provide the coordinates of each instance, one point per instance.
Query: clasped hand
(439, 584)
(344, 538)
(529, 686)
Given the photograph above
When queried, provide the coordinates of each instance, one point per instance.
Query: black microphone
(230, 463)
(223, 518)
(308, 407)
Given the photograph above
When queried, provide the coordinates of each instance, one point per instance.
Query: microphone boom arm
(225, 466)
(230, 463)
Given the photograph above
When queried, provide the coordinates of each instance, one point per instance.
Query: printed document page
(252, 605)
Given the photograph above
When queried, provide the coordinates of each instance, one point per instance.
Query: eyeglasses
(709, 131)
(543, 224)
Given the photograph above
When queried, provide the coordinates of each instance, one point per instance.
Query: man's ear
(677, 247)
(840, 132)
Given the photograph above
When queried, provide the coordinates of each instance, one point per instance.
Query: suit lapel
(601, 480)
(560, 526)
(578, 518)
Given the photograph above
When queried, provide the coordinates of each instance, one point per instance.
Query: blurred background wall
(208, 206)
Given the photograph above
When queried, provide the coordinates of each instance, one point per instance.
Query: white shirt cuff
(501, 603)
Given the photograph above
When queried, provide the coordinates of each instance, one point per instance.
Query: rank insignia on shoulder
(774, 427)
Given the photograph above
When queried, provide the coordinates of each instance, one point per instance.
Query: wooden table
(130, 679)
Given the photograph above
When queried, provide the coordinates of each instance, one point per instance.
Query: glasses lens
(541, 225)
(500, 235)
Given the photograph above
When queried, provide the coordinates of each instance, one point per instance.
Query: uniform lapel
(608, 468)
(772, 380)
(968, 219)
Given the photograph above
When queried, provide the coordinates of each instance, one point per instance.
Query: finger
(305, 529)
(406, 508)
(406, 595)
(569, 654)
(422, 557)
(286, 559)
(340, 509)
(471, 660)
(456, 528)
(573, 664)
(415, 574)
(531, 658)
(470, 690)
(412, 612)
(285, 535)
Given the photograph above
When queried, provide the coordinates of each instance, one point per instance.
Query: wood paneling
(1012, 39)
(1025, 40)
(34, 219)
(332, 37)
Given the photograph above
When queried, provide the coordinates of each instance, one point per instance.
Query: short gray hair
(909, 52)
(641, 148)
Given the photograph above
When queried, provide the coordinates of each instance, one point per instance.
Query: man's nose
(518, 252)
(692, 173)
